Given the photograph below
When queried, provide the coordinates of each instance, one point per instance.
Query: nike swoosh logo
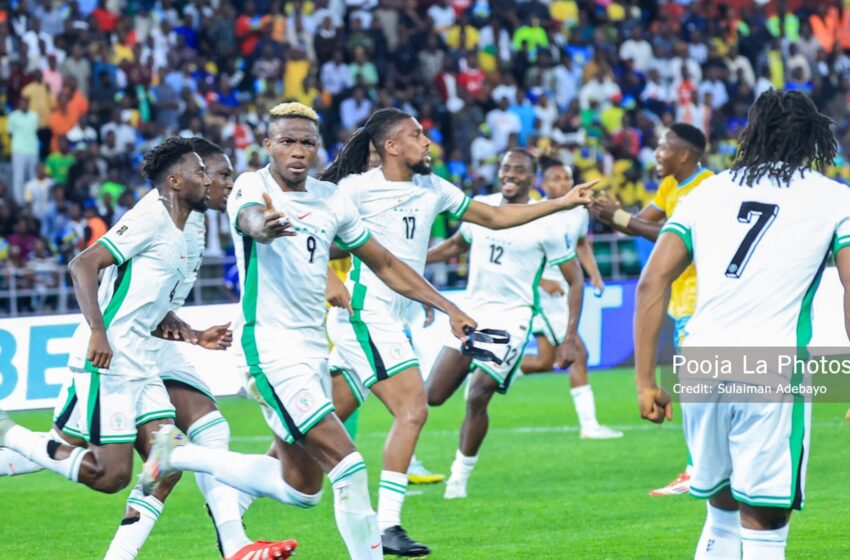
(374, 546)
(304, 216)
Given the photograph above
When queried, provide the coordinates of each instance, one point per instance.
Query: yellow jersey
(683, 294)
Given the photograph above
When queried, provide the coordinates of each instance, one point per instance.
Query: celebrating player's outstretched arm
(507, 216)
(218, 337)
(402, 279)
(668, 260)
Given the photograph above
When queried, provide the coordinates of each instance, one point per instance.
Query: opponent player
(760, 236)
(678, 158)
(399, 201)
(118, 383)
(552, 317)
(283, 261)
(504, 272)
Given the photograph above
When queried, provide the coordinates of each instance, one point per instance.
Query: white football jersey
(282, 308)
(575, 224)
(505, 266)
(136, 293)
(400, 215)
(759, 253)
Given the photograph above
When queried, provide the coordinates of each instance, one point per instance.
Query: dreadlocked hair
(204, 147)
(163, 157)
(785, 134)
(354, 155)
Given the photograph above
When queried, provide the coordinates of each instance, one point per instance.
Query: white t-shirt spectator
(335, 77)
(352, 114)
(741, 62)
(546, 115)
(503, 124)
(504, 91)
(124, 133)
(485, 155)
(639, 51)
(719, 95)
(594, 90)
(566, 84)
(443, 18)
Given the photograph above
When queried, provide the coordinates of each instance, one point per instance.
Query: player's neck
(177, 209)
(686, 173)
(396, 172)
(518, 199)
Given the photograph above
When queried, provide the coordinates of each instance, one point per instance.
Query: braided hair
(785, 134)
(354, 155)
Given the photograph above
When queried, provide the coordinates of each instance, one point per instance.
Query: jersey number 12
(766, 214)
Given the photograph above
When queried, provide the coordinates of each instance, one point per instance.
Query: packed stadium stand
(87, 87)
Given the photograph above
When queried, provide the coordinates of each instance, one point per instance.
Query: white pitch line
(544, 430)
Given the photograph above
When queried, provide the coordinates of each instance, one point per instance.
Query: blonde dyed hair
(293, 109)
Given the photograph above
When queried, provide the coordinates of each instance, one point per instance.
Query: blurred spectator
(23, 126)
(37, 193)
(42, 102)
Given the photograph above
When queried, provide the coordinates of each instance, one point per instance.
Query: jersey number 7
(766, 214)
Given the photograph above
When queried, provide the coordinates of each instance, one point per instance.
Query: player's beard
(421, 167)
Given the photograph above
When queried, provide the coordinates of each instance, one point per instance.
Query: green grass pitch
(538, 492)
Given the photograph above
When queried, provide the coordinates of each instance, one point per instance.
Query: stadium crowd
(88, 87)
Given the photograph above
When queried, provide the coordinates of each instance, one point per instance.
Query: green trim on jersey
(115, 302)
(466, 236)
(681, 231)
(110, 246)
(236, 215)
(563, 260)
(356, 244)
(464, 206)
(353, 385)
(547, 326)
(72, 395)
(535, 289)
(361, 330)
(186, 383)
(840, 242)
(764, 501)
(249, 306)
(91, 403)
(398, 368)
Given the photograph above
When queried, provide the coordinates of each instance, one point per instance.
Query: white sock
(34, 447)
(391, 492)
(245, 501)
(764, 545)
(258, 475)
(213, 431)
(133, 532)
(13, 463)
(721, 535)
(462, 468)
(355, 517)
(585, 406)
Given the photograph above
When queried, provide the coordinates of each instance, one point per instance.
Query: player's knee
(414, 415)
(478, 399)
(111, 480)
(436, 398)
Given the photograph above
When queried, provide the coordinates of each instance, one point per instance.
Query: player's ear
(390, 147)
(267, 144)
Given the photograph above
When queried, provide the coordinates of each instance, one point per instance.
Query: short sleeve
(659, 201)
(682, 221)
(584, 225)
(350, 233)
(556, 245)
(133, 233)
(465, 231)
(247, 191)
(842, 235)
(451, 199)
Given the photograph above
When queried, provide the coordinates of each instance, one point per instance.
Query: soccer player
(678, 158)
(552, 318)
(504, 272)
(399, 202)
(760, 236)
(124, 398)
(283, 224)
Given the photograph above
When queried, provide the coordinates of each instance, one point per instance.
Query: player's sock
(134, 531)
(462, 468)
(585, 406)
(391, 492)
(213, 431)
(13, 463)
(258, 475)
(355, 517)
(764, 545)
(245, 501)
(40, 450)
(721, 535)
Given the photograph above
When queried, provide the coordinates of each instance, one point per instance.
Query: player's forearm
(512, 215)
(650, 309)
(83, 271)
(446, 250)
(402, 279)
(842, 263)
(635, 226)
(588, 261)
(252, 223)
